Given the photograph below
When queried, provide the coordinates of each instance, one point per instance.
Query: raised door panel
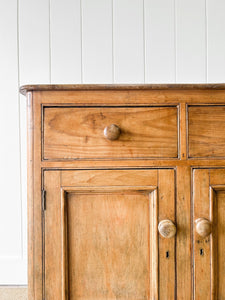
(209, 234)
(101, 237)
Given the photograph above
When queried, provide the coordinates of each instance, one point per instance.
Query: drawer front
(206, 131)
(78, 132)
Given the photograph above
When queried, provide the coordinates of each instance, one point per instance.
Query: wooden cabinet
(126, 192)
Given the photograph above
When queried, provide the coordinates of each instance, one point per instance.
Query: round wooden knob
(167, 229)
(112, 132)
(203, 227)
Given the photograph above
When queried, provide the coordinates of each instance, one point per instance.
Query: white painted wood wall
(90, 41)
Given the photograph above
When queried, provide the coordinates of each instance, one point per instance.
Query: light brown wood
(69, 87)
(98, 237)
(183, 236)
(206, 131)
(131, 97)
(37, 214)
(202, 258)
(203, 227)
(183, 130)
(167, 250)
(112, 132)
(209, 256)
(77, 133)
(167, 229)
(119, 264)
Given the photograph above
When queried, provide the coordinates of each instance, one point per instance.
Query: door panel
(101, 237)
(209, 236)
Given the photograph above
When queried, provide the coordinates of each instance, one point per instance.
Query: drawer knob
(167, 229)
(203, 227)
(112, 132)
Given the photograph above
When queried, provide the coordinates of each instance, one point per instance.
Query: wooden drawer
(206, 131)
(78, 132)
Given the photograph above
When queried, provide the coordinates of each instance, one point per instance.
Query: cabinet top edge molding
(78, 87)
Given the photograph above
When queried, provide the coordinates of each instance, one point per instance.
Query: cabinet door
(209, 234)
(100, 235)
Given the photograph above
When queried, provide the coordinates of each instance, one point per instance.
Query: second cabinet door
(100, 234)
(209, 233)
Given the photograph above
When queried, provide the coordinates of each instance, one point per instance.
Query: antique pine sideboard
(126, 192)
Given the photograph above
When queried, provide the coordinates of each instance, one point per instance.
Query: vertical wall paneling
(85, 41)
(65, 41)
(160, 41)
(34, 52)
(97, 41)
(128, 41)
(34, 67)
(216, 42)
(12, 266)
(191, 41)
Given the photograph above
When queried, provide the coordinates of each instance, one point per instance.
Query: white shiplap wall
(90, 41)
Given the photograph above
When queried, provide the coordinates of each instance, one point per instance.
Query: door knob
(203, 227)
(112, 132)
(167, 229)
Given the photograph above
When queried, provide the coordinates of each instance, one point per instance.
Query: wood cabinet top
(76, 87)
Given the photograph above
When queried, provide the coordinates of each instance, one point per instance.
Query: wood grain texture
(183, 239)
(114, 226)
(183, 130)
(36, 216)
(124, 177)
(109, 218)
(203, 227)
(209, 258)
(167, 250)
(52, 288)
(218, 256)
(167, 228)
(131, 97)
(217, 177)
(127, 181)
(206, 128)
(201, 246)
(76, 133)
(72, 87)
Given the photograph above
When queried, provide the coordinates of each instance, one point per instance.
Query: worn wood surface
(201, 255)
(209, 258)
(206, 131)
(181, 189)
(108, 238)
(110, 218)
(70, 87)
(183, 237)
(53, 281)
(77, 133)
(167, 250)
